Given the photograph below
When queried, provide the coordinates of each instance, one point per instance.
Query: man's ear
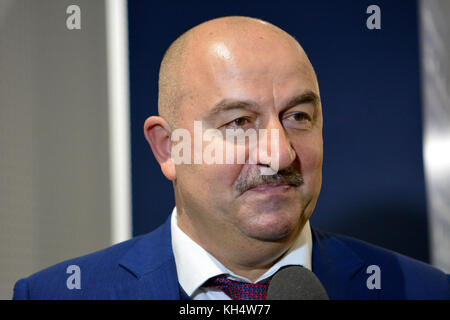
(157, 132)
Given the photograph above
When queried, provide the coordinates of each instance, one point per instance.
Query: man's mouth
(271, 187)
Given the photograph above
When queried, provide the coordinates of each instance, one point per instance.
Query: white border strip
(119, 119)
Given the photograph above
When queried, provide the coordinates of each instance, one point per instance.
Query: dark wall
(373, 180)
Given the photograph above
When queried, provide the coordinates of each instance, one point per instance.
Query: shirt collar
(195, 265)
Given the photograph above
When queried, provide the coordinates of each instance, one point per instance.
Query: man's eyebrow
(231, 104)
(308, 96)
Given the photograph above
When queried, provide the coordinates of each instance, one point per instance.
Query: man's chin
(275, 229)
(271, 203)
(271, 237)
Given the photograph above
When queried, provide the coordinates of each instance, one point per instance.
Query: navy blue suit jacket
(144, 268)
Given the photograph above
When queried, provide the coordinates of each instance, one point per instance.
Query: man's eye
(300, 116)
(298, 120)
(239, 122)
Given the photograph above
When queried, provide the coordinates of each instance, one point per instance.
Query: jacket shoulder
(401, 277)
(140, 268)
(77, 277)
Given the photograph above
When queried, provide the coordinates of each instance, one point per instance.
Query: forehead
(260, 67)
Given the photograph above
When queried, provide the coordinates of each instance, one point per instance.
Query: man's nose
(279, 153)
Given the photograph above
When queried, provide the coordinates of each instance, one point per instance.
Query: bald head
(212, 38)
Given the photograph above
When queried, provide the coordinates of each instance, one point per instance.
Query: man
(237, 223)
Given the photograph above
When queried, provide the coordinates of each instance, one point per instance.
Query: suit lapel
(151, 261)
(339, 268)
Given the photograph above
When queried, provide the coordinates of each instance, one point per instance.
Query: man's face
(260, 84)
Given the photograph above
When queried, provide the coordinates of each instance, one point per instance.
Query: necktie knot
(239, 290)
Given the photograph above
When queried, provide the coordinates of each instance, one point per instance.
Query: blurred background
(79, 78)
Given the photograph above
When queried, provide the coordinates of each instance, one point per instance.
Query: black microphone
(295, 283)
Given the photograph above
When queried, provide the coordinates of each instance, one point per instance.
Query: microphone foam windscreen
(296, 283)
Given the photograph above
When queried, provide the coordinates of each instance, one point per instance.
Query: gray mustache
(290, 175)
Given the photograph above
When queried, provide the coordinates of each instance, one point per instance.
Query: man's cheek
(220, 176)
(310, 159)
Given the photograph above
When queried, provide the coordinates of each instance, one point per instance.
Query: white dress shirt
(195, 265)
